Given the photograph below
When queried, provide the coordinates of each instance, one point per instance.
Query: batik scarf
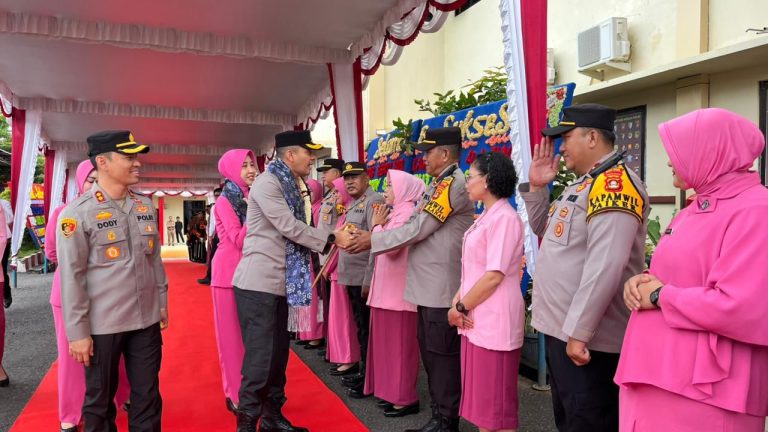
(298, 282)
(236, 198)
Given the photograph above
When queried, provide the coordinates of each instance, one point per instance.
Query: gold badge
(68, 227)
(559, 228)
(582, 186)
(151, 244)
(564, 212)
(111, 236)
(551, 210)
(99, 196)
(142, 209)
(112, 252)
(148, 228)
(103, 215)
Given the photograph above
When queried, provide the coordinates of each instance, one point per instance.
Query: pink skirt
(645, 408)
(393, 357)
(489, 386)
(315, 309)
(342, 329)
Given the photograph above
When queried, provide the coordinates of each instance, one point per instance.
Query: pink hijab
(316, 195)
(408, 190)
(712, 147)
(81, 175)
(231, 163)
(346, 198)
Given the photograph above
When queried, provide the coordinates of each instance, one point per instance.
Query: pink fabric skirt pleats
(343, 346)
(229, 341)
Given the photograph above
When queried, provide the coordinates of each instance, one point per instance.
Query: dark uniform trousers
(362, 314)
(325, 289)
(143, 351)
(584, 398)
(214, 246)
(264, 325)
(440, 346)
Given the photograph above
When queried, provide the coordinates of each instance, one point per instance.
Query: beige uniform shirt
(112, 277)
(327, 218)
(434, 233)
(582, 264)
(357, 269)
(269, 222)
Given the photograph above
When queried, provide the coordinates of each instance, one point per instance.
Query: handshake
(352, 239)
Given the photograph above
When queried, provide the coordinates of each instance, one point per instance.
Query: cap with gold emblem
(583, 115)
(300, 138)
(440, 137)
(331, 163)
(119, 141)
(353, 169)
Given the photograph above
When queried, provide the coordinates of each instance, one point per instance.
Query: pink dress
(3, 241)
(490, 351)
(343, 346)
(702, 358)
(317, 326)
(71, 374)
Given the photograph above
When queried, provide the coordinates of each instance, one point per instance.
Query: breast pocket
(559, 227)
(112, 246)
(149, 237)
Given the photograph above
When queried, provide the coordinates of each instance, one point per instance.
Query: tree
(5, 155)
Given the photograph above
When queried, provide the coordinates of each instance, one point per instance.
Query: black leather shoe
(353, 380)
(321, 352)
(381, 403)
(309, 346)
(204, 281)
(230, 406)
(69, 429)
(7, 381)
(402, 412)
(433, 425)
(350, 371)
(126, 406)
(246, 423)
(449, 424)
(357, 392)
(279, 424)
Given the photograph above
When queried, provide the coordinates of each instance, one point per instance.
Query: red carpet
(190, 380)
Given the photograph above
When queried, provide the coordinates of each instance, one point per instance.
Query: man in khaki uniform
(434, 234)
(274, 267)
(356, 270)
(594, 240)
(113, 286)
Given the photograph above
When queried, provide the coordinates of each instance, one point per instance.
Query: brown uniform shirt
(590, 247)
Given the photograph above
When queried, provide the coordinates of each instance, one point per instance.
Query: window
(630, 138)
(764, 128)
(466, 6)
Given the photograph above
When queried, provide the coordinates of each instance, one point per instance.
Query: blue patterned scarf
(298, 281)
(236, 198)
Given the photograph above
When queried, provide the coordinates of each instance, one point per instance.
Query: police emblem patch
(440, 205)
(564, 212)
(111, 236)
(148, 228)
(68, 227)
(559, 228)
(112, 252)
(615, 191)
(151, 244)
(103, 215)
(552, 209)
(142, 209)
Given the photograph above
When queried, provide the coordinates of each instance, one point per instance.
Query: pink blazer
(50, 252)
(231, 235)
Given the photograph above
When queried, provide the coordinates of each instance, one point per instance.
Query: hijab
(408, 189)
(235, 188)
(81, 175)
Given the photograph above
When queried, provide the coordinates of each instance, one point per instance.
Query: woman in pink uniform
(488, 308)
(238, 167)
(393, 350)
(343, 348)
(695, 354)
(71, 375)
(314, 336)
(5, 381)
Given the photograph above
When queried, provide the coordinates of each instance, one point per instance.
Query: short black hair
(499, 172)
(217, 190)
(606, 135)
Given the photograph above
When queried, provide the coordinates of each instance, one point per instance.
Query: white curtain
(28, 162)
(346, 110)
(517, 98)
(59, 178)
(71, 183)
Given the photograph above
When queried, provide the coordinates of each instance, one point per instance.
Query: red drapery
(358, 83)
(161, 219)
(50, 156)
(534, 14)
(17, 147)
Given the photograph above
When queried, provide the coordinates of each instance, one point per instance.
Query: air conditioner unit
(550, 66)
(604, 46)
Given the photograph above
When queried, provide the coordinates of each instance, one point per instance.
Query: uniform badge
(361, 206)
(551, 210)
(99, 196)
(613, 180)
(148, 228)
(573, 198)
(68, 227)
(326, 218)
(440, 205)
(559, 228)
(112, 253)
(581, 187)
(151, 244)
(142, 209)
(564, 212)
(103, 215)
(614, 190)
(111, 236)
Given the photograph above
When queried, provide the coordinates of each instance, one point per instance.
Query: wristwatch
(654, 297)
(461, 308)
(331, 239)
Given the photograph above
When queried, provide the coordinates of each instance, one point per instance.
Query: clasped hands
(638, 289)
(354, 240)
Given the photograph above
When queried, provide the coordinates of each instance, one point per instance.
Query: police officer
(594, 240)
(356, 270)
(330, 170)
(434, 233)
(113, 286)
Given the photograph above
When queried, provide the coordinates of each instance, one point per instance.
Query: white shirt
(212, 223)
(8, 215)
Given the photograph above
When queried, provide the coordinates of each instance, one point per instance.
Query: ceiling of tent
(189, 104)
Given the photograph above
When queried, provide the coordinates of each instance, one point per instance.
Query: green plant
(491, 87)
(563, 178)
(653, 234)
(404, 131)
